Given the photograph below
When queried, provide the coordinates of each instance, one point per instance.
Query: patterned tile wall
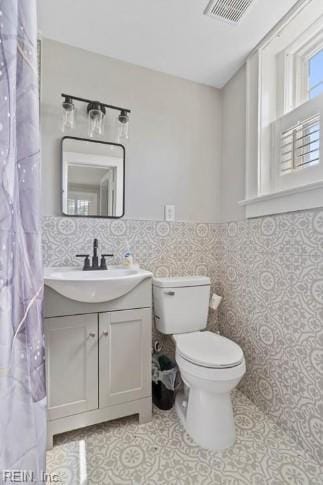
(166, 249)
(271, 277)
(270, 272)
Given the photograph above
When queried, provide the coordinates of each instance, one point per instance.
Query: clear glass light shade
(68, 116)
(123, 131)
(96, 122)
(122, 127)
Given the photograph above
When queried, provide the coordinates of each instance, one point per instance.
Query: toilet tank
(181, 304)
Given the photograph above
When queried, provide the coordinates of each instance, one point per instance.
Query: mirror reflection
(92, 178)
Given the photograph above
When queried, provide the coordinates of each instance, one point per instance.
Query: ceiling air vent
(228, 10)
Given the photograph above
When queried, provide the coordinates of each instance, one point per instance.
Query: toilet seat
(208, 349)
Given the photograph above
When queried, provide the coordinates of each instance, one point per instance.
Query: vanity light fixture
(68, 114)
(96, 113)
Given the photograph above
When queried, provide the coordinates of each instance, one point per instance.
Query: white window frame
(293, 71)
(268, 101)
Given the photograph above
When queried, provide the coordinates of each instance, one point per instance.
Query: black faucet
(95, 259)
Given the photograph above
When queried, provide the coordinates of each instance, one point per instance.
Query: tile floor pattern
(123, 453)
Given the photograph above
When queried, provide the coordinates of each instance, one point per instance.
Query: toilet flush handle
(170, 293)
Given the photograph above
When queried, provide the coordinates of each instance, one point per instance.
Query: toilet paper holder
(215, 301)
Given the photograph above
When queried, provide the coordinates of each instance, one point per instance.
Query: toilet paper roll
(215, 301)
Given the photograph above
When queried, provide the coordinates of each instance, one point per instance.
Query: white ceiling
(172, 36)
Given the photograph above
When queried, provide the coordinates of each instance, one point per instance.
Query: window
(300, 70)
(284, 154)
(315, 75)
(78, 207)
(296, 126)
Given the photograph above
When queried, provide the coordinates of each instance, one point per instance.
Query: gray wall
(174, 151)
(233, 147)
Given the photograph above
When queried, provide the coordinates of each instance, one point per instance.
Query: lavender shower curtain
(22, 383)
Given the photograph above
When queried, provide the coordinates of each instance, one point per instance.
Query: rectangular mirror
(92, 178)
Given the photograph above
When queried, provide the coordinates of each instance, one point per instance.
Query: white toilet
(211, 366)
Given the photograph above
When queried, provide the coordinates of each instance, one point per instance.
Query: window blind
(300, 145)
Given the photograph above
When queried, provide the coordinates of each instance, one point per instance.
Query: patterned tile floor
(160, 452)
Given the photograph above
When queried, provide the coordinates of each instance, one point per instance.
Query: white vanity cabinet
(98, 359)
(71, 365)
(124, 356)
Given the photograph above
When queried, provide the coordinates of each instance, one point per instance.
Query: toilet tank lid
(181, 281)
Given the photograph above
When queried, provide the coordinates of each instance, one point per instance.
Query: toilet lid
(208, 349)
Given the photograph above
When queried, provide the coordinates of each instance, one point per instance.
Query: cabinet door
(124, 356)
(71, 364)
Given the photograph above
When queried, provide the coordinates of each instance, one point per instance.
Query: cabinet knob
(92, 334)
(106, 333)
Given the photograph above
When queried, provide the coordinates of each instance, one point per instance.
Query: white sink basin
(94, 286)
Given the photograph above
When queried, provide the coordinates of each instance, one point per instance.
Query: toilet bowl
(211, 366)
(205, 407)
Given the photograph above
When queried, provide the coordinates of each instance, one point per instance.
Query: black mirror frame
(124, 176)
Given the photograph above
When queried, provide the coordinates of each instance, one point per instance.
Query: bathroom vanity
(98, 354)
